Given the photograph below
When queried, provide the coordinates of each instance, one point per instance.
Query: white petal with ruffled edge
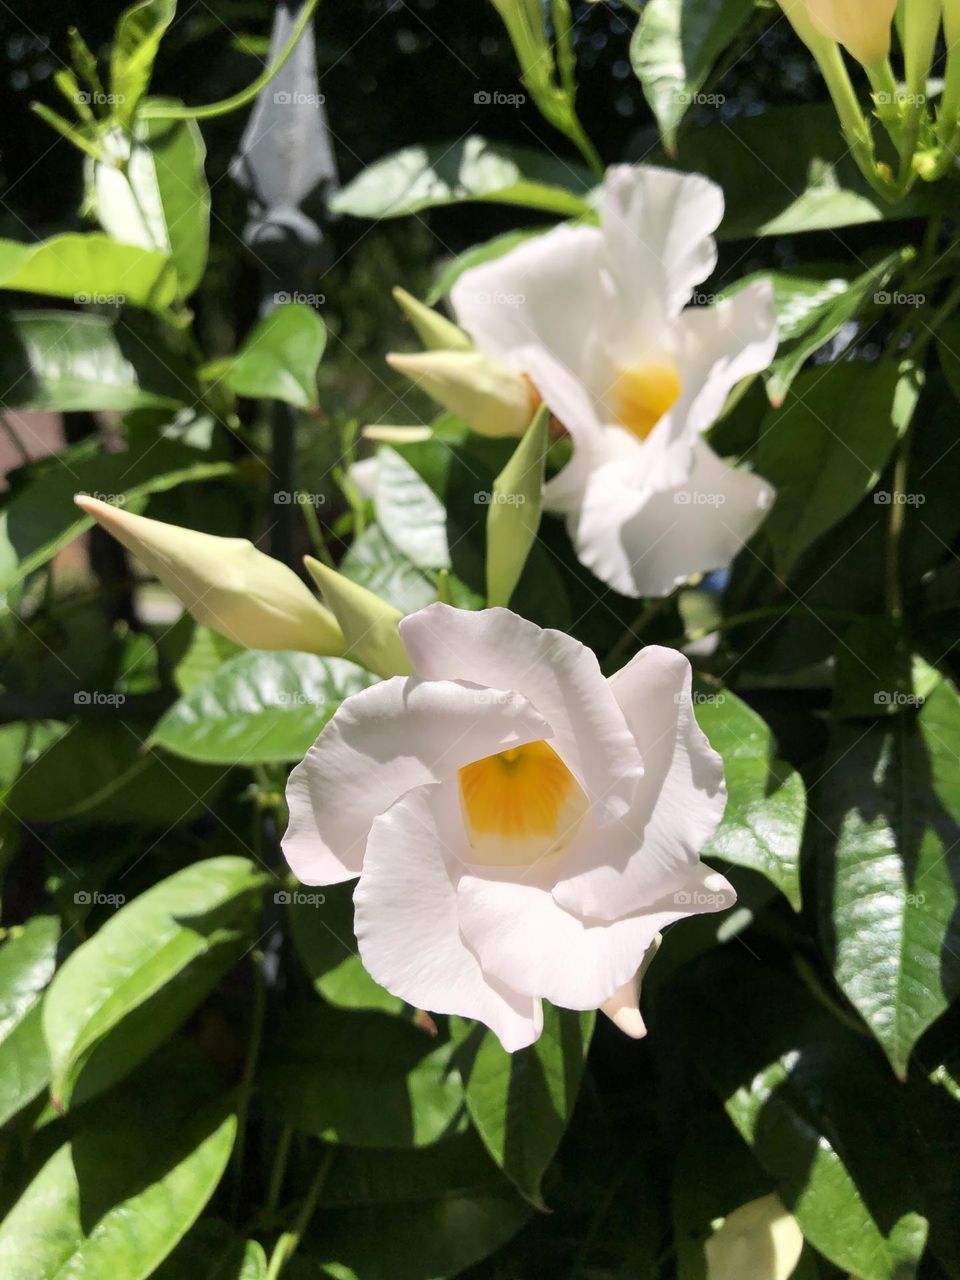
(400, 734)
(646, 544)
(523, 937)
(408, 928)
(714, 348)
(679, 804)
(657, 226)
(560, 677)
(550, 290)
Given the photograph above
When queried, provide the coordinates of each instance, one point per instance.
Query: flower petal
(549, 291)
(523, 937)
(645, 544)
(679, 803)
(408, 929)
(715, 348)
(658, 229)
(560, 677)
(380, 743)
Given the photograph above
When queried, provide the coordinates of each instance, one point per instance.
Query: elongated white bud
(490, 398)
(225, 583)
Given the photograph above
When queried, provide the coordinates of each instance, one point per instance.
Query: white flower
(758, 1241)
(595, 319)
(522, 828)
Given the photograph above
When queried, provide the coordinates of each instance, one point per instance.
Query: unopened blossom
(595, 321)
(759, 1241)
(225, 583)
(863, 27)
(522, 828)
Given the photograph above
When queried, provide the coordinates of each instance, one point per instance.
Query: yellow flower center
(520, 805)
(643, 393)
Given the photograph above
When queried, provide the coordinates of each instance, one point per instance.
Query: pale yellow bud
(862, 26)
(369, 623)
(490, 398)
(758, 1241)
(435, 331)
(225, 583)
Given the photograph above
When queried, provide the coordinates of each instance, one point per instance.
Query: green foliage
(199, 1079)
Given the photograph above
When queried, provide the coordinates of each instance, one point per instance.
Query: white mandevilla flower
(522, 828)
(597, 319)
(758, 1241)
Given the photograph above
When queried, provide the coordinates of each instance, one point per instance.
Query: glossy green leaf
(763, 823)
(362, 1079)
(69, 360)
(812, 184)
(279, 358)
(376, 564)
(442, 1209)
(410, 513)
(889, 819)
(674, 48)
(424, 177)
(259, 708)
(321, 923)
(89, 268)
(826, 448)
(117, 1197)
(521, 1103)
(27, 962)
(41, 516)
(136, 40)
(799, 1088)
(516, 504)
(204, 655)
(152, 962)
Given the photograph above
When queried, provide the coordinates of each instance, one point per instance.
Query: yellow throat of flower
(643, 393)
(520, 805)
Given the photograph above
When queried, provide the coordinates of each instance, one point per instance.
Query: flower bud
(758, 1241)
(861, 26)
(225, 583)
(435, 331)
(490, 398)
(369, 623)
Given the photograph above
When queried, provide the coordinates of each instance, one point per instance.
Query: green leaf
(772, 189)
(159, 199)
(205, 654)
(41, 516)
(214, 1251)
(812, 311)
(116, 1198)
(279, 359)
(68, 360)
(888, 890)
(259, 708)
(516, 504)
(27, 962)
(674, 48)
(521, 1103)
(376, 564)
(362, 1079)
(473, 169)
(762, 827)
(89, 268)
(153, 962)
(410, 513)
(798, 1085)
(324, 940)
(826, 448)
(441, 1208)
(136, 40)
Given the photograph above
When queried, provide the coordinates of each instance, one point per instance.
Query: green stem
(278, 1172)
(312, 521)
(165, 111)
(853, 122)
(249, 1073)
(289, 1242)
(898, 511)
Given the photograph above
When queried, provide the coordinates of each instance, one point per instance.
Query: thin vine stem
(289, 1242)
